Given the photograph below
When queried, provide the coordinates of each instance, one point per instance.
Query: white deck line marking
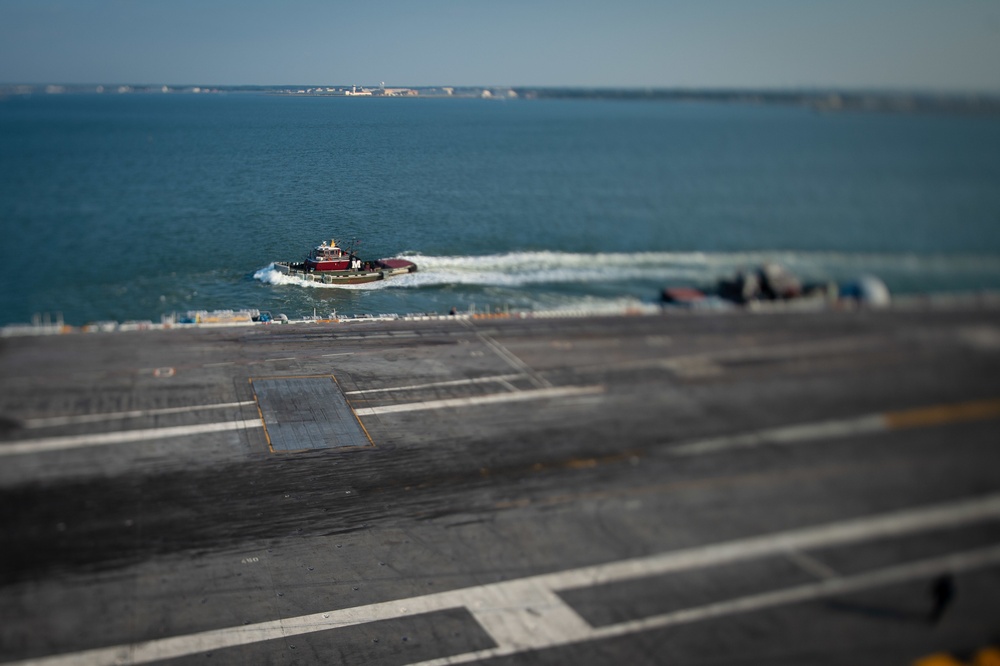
(507, 601)
(822, 536)
(338, 354)
(810, 564)
(931, 415)
(121, 437)
(900, 573)
(920, 570)
(509, 357)
(526, 614)
(507, 385)
(452, 382)
(796, 350)
(785, 435)
(493, 398)
(133, 414)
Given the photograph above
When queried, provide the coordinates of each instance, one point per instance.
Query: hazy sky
(951, 45)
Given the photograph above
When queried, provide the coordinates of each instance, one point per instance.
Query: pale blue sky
(948, 45)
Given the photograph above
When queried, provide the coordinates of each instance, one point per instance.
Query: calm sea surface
(127, 207)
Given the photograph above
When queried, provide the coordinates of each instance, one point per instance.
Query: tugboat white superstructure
(330, 264)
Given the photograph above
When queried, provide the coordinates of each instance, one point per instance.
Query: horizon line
(803, 89)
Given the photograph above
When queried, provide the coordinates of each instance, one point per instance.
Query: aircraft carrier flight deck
(778, 488)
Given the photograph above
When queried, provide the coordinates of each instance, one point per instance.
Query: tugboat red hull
(379, 271)
(329, 264)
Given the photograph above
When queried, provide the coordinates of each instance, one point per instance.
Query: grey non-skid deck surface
(307, 413)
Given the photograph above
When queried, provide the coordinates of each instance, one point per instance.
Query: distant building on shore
(381, 91)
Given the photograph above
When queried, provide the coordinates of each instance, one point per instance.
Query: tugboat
(330, 264)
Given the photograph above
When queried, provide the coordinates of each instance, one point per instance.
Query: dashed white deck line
(527, 614)
(494, 398)
(785, 435)
(132, 414)
(452, 382)
(710, 363)
(122, 437)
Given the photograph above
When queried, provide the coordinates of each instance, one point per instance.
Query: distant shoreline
(828, 100)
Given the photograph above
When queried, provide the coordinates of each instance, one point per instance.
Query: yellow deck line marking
(979, 410)
(922, 417)
(260, 413)
(353, 411)
(500, 606)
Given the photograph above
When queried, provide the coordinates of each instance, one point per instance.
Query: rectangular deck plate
(307, 413)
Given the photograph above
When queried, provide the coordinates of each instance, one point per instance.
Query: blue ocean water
(130, 206)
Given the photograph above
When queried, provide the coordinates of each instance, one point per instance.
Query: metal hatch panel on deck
(307, 413)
